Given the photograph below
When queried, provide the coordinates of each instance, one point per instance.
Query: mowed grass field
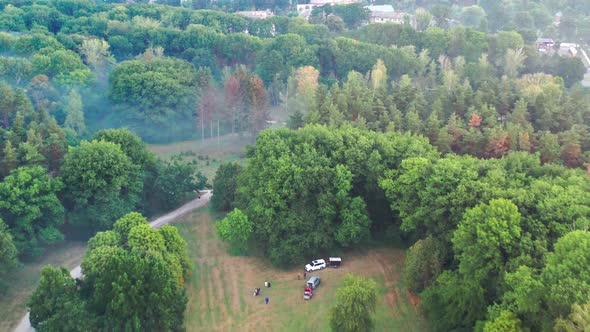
(220, 290)
(227, 148)
(23, 280)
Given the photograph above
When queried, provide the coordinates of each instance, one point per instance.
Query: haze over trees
(457, 139)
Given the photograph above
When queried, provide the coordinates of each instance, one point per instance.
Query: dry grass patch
(220, 291)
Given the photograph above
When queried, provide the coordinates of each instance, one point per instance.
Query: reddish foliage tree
(498, 146)
(232, 99)
(572, 154)
(258, 100)
(475, 121)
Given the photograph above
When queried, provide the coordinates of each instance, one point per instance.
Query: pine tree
(549, 148)
(10, 161)
(6, 104)
(23, 104)
(432, 127)
(413, 122)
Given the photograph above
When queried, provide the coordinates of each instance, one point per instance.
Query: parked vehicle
(313, 282)
(307, 293)
(334, 261)
(318, 264)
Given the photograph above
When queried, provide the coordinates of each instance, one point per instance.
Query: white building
(256, 14)
(304, 10)
(386, 14)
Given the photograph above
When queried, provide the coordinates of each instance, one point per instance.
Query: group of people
(257, 291)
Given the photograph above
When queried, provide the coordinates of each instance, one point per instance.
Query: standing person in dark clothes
(266, 300)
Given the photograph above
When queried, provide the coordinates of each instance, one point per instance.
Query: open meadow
(209, 153)
(221, 286)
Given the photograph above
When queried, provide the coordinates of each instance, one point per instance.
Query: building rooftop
(380, 8)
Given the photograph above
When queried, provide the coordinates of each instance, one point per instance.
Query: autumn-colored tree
(474, 121)
(571, 153)
(258, 101)
(232, 100)
(498, 143)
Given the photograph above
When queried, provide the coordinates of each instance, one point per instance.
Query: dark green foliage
(176, 181)
(315, 188)
(225, 185)
(101, 184)
(56, 304)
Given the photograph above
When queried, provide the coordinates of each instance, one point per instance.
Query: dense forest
(455, 138)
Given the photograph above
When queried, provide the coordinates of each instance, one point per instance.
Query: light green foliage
(506, 322)
(236, 229)
(104, 239)
(355, 305)
(74, 115)
(30, 207)
(101, 183)
(487, 238)
(124, 225)
(146, 240)
(155, 86)
(176, 246)
(525, 291)
(131, 145)
(577, 321)
(225, 186)
(565, 274)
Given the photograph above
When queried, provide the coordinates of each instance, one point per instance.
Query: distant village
(378, 13)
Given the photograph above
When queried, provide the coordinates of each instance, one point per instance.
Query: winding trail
(25, 325)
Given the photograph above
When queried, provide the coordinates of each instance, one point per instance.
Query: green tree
(422, 264)
(74, 115)
(176, 181)
(355, 305)
(506, 322)
(101, 184)
(124, 225)
(487, 238)
(30, 207)
(236, 229)
(225, 186)
(8, 252)
(56, 304)
(564, 274)
(577, 321)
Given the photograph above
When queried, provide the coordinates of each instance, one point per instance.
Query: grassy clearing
(24, 280)
(212, 152)
(220, 291)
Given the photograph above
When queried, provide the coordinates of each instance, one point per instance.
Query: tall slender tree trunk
(202, 125)
(217, 131)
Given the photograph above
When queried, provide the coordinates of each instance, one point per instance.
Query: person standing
(266, 300)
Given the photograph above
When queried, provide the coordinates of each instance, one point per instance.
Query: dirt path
(25, 325)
